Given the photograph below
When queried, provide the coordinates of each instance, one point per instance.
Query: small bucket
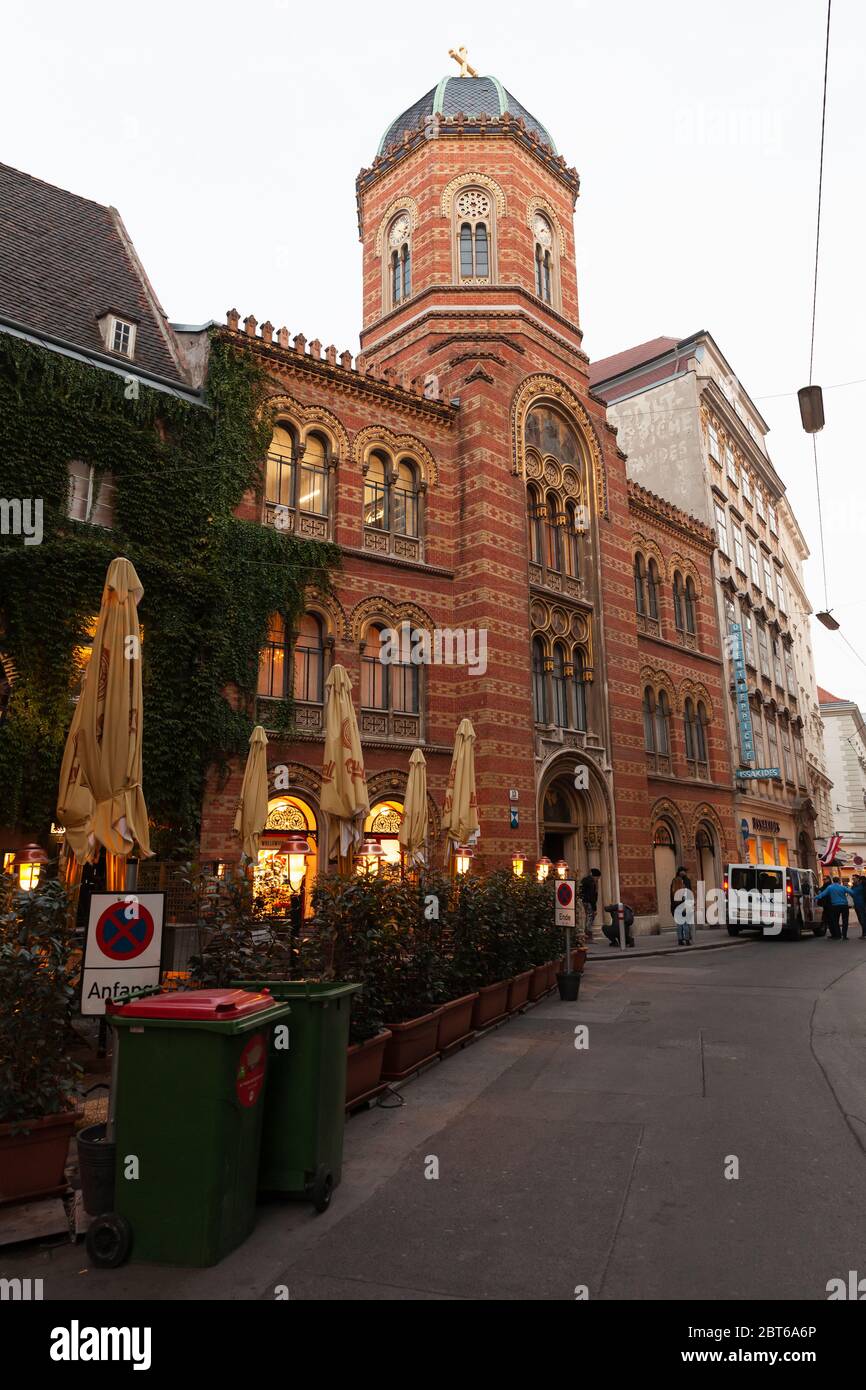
(96, 1164)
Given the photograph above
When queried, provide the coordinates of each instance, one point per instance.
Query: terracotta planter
(410, 1046)
(32, 1164)
(578, 958)
(491, 1004)
(518, 990)
(538, 983)
(455, 1022)
(364, 1068)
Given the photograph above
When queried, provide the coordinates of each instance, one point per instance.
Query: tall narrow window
(312, 495)
(690, 608)
(579, 683)
(544, 245)
(309, 655)
(554, 537)
(689, 729)
(274, 660)
(374, 672)
(534, 510)
(560, 688)
(679, 603)
(280, 471)
(482, 252)
(467, 260)
(405, 500)
(701, 735)
(572, 542)
(539, 694)
(639, 585)
(649, 727)
(653, 583)
(375, 495)
(663, 725)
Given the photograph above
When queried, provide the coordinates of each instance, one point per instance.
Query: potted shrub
(38, 965)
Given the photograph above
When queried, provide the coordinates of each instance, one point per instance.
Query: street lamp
(369, 855)
(297, 848)
(30, 862)
(543, 868)
(517, 862)
(462, 859)
(561, 868)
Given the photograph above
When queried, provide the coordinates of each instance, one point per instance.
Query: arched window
(554, 536)
(375, 492)
(534, 516)
(649, 720)
(296, 478)
(309, 660)
(689, 728)
(560, 688)
(653, 583)
(579, 687)
(274, 660)
(690, 607)
(701, 751)
(544, 258)
(374, 672)
(400, 263)
(539, 692)
(640, 602)
(473, 210)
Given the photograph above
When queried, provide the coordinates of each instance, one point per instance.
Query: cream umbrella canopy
(103, 754)
(460, 812)
(413, 828)
(252, 812)
(344, 781)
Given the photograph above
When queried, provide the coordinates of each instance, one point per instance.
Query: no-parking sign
(124, 947)
(565, 903)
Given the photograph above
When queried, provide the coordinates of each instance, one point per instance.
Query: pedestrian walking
(588, 892)
(612, 931)
(858, 893)
(834, 906)
(683, 906)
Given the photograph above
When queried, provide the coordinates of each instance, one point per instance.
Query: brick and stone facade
(524, 525)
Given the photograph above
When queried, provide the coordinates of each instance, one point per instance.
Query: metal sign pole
(620, 912)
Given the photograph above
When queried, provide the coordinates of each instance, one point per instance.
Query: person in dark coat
(588, 894)
(858, 893)
(612, 931)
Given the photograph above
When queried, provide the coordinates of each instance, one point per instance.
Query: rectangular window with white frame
(759, 503)
(754, 568)
(768, 577)
(774, 525)
(731, 466)
(713, 442)
(91, 495)
(780, 593)
(739, 554)
(746, 487)
(722, 530)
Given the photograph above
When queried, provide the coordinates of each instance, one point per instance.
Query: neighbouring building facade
(691, 432)
(475, 488)
(845, 738)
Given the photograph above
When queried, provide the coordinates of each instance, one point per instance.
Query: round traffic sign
(124, 930)
(564, 894)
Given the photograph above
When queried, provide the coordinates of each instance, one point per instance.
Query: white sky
(229, 136)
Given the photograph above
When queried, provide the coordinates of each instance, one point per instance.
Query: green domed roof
(473, 96)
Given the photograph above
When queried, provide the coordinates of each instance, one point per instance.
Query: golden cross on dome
(460, 56)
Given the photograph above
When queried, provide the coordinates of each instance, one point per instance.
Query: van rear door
(741, 890)
(770, 884)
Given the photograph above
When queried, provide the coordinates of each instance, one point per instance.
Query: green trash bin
(305, 1101)
(188, 1104)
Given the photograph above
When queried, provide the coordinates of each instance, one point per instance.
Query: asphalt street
(607, 1167)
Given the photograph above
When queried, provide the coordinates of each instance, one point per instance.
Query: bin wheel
(819, 931)
(323, 1190)
(108, 1241)
(732, 930)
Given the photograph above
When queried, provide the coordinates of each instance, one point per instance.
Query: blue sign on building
(741, 689)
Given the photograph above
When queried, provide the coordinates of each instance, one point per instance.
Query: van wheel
(819, 931)
(733, 931)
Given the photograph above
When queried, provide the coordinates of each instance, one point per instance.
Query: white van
(776, 899)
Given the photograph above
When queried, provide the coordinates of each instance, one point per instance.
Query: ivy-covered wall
(210, 579)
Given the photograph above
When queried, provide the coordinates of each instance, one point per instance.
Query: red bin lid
(200, 1005)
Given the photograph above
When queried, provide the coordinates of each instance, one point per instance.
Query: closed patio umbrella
(252, 812)
(413, 829)
(103, 753)
(344, 782)
(460, 812)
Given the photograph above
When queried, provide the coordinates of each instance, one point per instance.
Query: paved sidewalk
(665, 943)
